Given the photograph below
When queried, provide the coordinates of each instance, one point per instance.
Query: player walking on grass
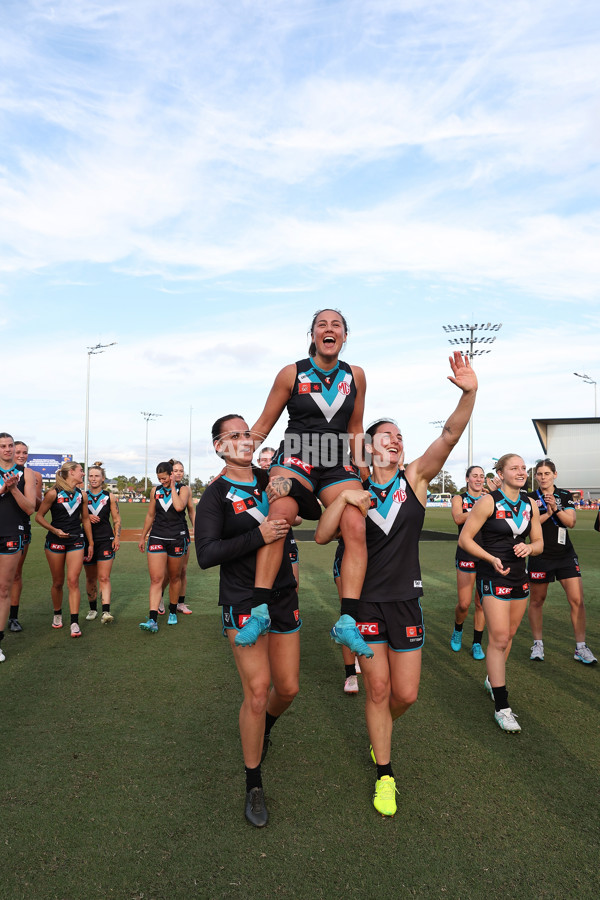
(166, 530)
(465, 566)
(231, 526)
(389, 613)
(325, 399)
(69, 529)
(102, 505)
(505, 518)
(558, 561)
(21, 454)
(17, 498)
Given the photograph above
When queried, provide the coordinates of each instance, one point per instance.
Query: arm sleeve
(211, 548)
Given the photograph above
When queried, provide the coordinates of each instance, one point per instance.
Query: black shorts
(63, 545)
(283, 609)
(27, 538)
(319, 477)
(173, 548)
(502, 589)
(11, 545)
(397, 623)
(294, 556)
(103, 552)
(337, 562)
(544, 571)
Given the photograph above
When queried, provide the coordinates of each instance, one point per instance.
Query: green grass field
(123, 777)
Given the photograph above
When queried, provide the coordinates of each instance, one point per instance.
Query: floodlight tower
(91, 351)
(468, 337)
(588, 380)
(148, 416)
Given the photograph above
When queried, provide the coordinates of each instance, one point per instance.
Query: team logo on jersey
(385, 505)
(242, 502)
(368, 628)
(240, 506)
(503, 591)
(330, 399)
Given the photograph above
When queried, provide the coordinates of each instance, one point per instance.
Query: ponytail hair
(61, 483)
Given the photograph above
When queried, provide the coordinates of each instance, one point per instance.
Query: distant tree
(197, 487)
(443, 482)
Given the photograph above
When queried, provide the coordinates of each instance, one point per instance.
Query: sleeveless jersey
(552, 549)
(394, 524)
(66, 513)
(468, 503)
(12, 517)
(179, 485)
(169, 523)
(509, 524)
(228, 517)
(99, 505)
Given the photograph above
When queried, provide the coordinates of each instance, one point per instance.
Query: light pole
(588, 380)
(474, 350)
(190, 455)
(148, 416)
(91, 351)
(441, 423)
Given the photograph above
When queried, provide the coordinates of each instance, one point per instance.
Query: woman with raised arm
(324, 398)
(558, 561)
(102, 505)
(166, 530)
(65, 544)
(389, 612)
(17, 499)
(231, 526)
(505, 518)
(465, 566)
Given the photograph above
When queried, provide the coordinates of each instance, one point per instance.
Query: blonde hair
(61, 483)
(98, 465)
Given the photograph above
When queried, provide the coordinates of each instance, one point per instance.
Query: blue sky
(194, 179)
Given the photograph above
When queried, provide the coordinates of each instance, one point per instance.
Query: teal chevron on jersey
(334, 387)
(70, 503)
(97, 502)
(164, 497)
(516, 515)
(260, 505)
(386, 502)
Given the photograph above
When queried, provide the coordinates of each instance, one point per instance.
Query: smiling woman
(325, 400)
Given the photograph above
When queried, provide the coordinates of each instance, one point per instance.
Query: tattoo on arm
(282, 486)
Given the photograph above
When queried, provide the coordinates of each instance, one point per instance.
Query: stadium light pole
(148, 416)
(441, 423)
(190, 454)
(468, 337)
(588, 380)
(91, 351)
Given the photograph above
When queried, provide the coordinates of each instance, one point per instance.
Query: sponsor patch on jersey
(399, 496)
(240, 506)
(414, 631)
(107, 553)
(368, 628)
(418, 584)
(307, 387)
(344, 388)
(503, 514)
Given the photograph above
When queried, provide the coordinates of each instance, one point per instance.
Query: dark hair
(545, 462)
(164, 467)
(21, 444)
(267, 450)
(313, 347)
(217, 429)
(5, 434)
(372, 429)
(470, 469)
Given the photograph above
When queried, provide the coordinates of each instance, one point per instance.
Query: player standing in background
(21, 454)
(557, 561)
(102, 505)
(465, 566)
(64, 547)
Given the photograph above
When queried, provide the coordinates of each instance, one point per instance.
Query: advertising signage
(47, 463)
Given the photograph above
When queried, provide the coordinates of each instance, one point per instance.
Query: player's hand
(274, 530)
(463, 375)
(61, 534)
(116, 544)
(142, 545)
(497, 564)
(10, 483)
(90, 553)
(94, 519)
(522, 550)
(278, 487)
(493, 483)
(360, 499)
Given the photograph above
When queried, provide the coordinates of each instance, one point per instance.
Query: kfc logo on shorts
(297, 615)
(368, 627)
(57, 546)
(465, 564)
(537, 576)
(399, 496)
(242, 619)
(503, 591)
(294, 461)
(155, 547)
(344, 388)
